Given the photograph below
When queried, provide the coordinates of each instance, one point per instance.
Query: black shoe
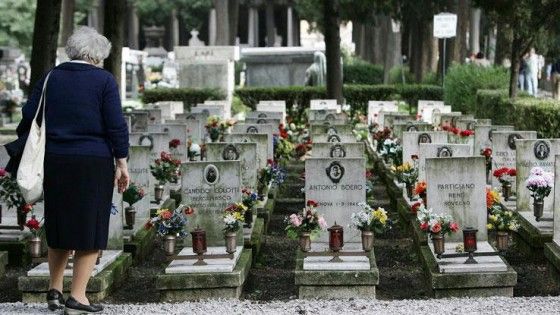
(55, 300)
(74, 307)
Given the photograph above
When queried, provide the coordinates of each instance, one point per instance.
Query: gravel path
(522, 305)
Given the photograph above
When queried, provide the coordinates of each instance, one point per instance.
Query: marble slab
(544, 227)
(348, 263)
(213, 265)
(457, 265)
(109, 256)
(12, 235)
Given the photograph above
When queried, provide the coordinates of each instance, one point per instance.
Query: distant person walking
(555, 76)
(532, 72)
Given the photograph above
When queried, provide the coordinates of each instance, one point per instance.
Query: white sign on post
(445, 25)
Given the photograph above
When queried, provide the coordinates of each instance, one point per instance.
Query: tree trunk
(379, 39)
(357, 37)
(115, 12)
(45, 36)
(515, 60)
(67, 21)
(503, 43)
(270, 27)
(392, 51)
(233, 20)
(332, 49)
(222, 26)
(474, 37)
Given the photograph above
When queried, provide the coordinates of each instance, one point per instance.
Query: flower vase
(439, 243)
(130, 216)
(35, 247)
(231, 242)
(158, 192)
(538, 207)
(367, 241)
(410, 191)
(248, 218)
(214, 136)
(502, 241)
(506, 190)
(169, 242)
(305, 242)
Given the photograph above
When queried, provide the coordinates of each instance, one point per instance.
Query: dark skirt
(78, 193)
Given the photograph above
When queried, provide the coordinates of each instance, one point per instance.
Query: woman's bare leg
(84, 261)
(57, 258)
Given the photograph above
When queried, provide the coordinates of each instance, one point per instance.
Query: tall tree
(115, 13)
(332, 49)
(233, 19)
(222, 22)
(67, 20)
(45, 39)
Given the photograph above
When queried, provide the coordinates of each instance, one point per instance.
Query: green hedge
(189, 97)
(525, 113)
(463, 81)
(362, 72)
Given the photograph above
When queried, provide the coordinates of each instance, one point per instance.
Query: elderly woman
(86, 151)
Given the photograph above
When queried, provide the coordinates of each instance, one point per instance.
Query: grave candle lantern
(336, 237)
(199, 241)
(469, 243)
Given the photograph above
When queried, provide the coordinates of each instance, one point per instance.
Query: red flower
(466, 133)
(269, 162)
(415, 207)
(512, 172)
(173, 144)
(369, 174)
(436, 228)
(312, 203)
(486, 152)
(503, 171)
(33, 224)
(424, 226)
(188, 210)
(148, 225)
(456, 130)
(445, 128)
(166, 157)
(166, 215)
(26, 208)
(454, 227)
(3, 172)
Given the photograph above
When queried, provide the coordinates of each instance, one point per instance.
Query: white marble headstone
(503, 150)
(439, 150)
(411, 142)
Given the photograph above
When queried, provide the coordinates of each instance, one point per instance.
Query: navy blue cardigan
(83, 112)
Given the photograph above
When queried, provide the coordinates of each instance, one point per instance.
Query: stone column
(174, 29)
(212, 28)
(133, 26)
(222, 25)
(253, 28)
(270, 27)
(290, 31)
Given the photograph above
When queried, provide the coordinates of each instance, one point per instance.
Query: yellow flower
(495, 196)
(489, 226)
(381, 215)
(492, 218)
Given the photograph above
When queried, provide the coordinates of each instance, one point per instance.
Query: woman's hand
(122, 179)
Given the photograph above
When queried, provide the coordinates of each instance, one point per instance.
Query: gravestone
(327, 115)
(115, 240)
(412, 140)
(529, 154)
(209, 187)
(399, 128)
(426, 108)
(375, 107)
(467, 124)
(154, 115)
(322, 129)
(334, 138)
(139, 169)
(457, 187)
(483, 135)
(207, 67)
(196, 130)
(156, 141)
(273, 106)
(138, 121)
(338, 150)
(267, 129)
(503, 150)
(338, 185)
(440, 150)
(224, 105)
(265, 115)
(202, 117)
(176, 131)
(262, 145)
(260, 121)
(387, 119)
(244, 152)
(208, 110)
(556, 208)
(169, 109)
(324, 104)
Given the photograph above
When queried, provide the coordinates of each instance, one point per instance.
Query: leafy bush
(395, 75)
(357, 71)
(189, 97)
(463, 81)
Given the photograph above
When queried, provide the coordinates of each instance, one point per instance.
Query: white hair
(88, 45)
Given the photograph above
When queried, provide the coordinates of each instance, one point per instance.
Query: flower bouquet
(391, 152)
(283, 149)
(437, 226)
(234, 217)
(503, 222)
(193, 150)
(540, 184)
(272, 173)
(492, 197)
(12, 197)
(132, 195)
(369, 221)
(249, 199)
(170, 225)
(306, 225)
(216, 127)
(505, 176)
(380, 136)
(35, 228)
(407, 173)
(165, 170)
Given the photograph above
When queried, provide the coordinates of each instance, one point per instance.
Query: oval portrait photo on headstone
(211, 174)
(333, 139)
(335, 172)
(261, 121)
(332, 131)
(230, 153)
(444, 152)
(252, 129)
(424, 138)
(330, 117)
(511, 140)
(411, 128)
(147, 140)
(337, 151)
(262, 115)
(541, 150)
